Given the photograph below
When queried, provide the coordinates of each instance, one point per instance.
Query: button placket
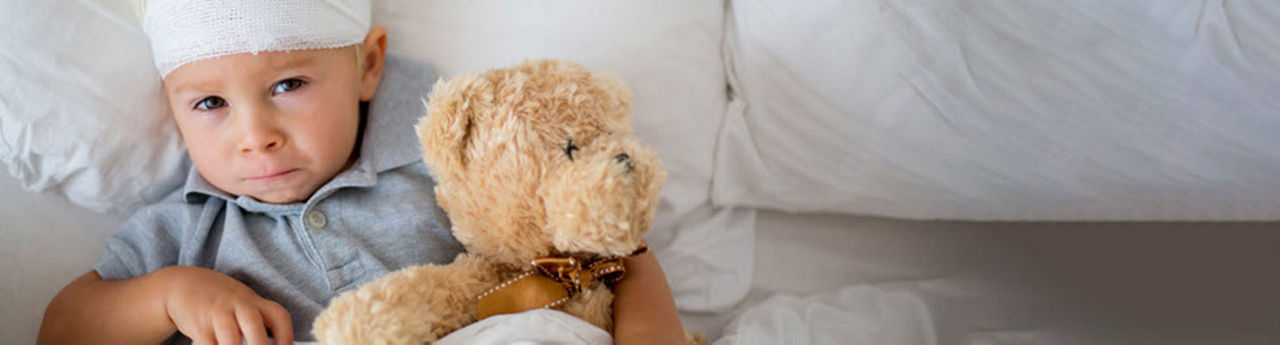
(299, 228)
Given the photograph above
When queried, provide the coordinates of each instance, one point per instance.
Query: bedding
(539, 326)
(943, 112)
(1003, 110)
(982, 283)
(858, 314)
(81, 111)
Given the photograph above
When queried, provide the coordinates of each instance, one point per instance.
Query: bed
(872, 172)
(979, 283)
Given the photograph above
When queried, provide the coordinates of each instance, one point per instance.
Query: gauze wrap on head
(185, 31)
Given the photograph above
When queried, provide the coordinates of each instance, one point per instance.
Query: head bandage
(185, 31)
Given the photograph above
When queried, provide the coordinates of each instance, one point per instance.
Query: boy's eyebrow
(293, 61)
(183, 88)
(296, 61)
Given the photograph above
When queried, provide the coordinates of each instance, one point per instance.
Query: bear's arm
(414, 305)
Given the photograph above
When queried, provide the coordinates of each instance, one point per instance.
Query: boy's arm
(207, 306)
(643, 310)
(92, 310)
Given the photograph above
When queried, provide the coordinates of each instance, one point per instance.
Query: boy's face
(273, 126)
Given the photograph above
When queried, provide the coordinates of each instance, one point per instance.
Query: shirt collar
(388, 141)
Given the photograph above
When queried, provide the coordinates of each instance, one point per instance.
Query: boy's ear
(445, 132)
(374, 52)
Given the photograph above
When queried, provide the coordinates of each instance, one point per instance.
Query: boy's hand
(212, 308)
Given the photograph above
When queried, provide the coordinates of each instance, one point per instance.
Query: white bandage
(185, 31)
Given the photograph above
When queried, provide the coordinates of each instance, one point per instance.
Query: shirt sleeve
(149, 240)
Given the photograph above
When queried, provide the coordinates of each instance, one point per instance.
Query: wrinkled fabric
(854, 315)
(1004, 110)
(82, 113)
(541, 326)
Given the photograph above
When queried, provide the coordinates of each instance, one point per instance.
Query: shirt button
(316, 220)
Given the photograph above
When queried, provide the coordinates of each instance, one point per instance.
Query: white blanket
(858, 314)
(541, 327)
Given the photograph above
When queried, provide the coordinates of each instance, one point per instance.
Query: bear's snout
(604, 200)
(625, 160)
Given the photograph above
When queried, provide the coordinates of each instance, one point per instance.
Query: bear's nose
(623, 158)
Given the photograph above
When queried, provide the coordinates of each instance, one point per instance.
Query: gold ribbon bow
(550, 284)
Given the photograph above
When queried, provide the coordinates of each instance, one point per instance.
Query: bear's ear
(445, 130)
(620, 108)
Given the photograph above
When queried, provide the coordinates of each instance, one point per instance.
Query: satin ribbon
(552, 282)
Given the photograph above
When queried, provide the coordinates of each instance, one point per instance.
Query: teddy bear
(546, 188)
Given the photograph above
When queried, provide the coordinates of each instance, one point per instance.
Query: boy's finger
(225, 329)
(250, 321)
(277, 319)
(202, 337)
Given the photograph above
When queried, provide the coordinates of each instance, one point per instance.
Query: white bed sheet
(988, 283)
(45, 242)
(983, 283)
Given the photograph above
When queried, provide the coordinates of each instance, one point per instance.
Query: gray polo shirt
(377, 216)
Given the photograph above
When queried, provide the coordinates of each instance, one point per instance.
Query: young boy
(303, 185)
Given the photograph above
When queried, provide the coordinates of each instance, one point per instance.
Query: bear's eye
(569, 148)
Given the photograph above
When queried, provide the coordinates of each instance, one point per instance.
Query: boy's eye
(287, 85)
(211, 103)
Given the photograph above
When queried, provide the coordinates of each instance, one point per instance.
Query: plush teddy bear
(544, 185)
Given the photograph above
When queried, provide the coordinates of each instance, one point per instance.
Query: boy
(303, 185)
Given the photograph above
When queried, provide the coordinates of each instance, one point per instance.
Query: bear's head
(538, 160)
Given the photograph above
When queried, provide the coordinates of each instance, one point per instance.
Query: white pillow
(1022, 110)
(81, 110)
(668, 53)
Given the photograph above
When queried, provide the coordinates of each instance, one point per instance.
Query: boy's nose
(262, 146)
(262, 140)
(260, 134)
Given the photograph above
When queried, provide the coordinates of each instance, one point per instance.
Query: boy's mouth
(272, 176)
